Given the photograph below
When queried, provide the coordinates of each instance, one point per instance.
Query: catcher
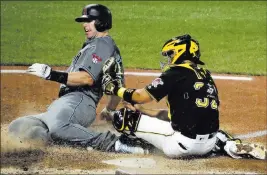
(193, 106)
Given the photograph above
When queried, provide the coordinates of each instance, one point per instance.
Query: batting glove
(40, 70)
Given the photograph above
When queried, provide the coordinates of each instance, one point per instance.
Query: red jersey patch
(96, 59)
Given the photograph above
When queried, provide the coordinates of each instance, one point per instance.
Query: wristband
(116, 90)
(126, 94)
(61, 77)
(121, 92)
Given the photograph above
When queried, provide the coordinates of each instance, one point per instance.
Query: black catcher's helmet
(100, 13)
(181, 48)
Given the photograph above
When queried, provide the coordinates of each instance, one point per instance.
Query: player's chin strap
(126, 121)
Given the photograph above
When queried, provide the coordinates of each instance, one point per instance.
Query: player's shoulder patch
(156, 82)
(96, 59)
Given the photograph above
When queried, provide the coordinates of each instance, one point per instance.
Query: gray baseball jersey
(68, 117)
(90, 59)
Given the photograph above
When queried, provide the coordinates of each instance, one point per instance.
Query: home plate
(132, 162)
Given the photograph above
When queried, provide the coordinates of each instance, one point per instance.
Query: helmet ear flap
(100, 26)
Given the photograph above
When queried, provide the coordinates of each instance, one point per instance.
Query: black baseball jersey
(192, 98)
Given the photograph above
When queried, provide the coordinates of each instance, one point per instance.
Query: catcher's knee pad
(126, 121)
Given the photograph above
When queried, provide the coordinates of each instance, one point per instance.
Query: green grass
(232, 35)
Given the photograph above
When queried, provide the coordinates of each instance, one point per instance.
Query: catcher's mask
(180, 48)
(100, 13)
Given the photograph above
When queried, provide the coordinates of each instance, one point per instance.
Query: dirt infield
(243, 111)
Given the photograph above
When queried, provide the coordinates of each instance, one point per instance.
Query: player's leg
(160, 134)
(68, 118)
(29, 127)
(154, 131)
(74, 108)
(157, 132)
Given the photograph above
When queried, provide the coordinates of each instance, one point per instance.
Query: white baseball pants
(160, 134)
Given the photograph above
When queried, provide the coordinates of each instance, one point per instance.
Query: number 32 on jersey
(205, 102)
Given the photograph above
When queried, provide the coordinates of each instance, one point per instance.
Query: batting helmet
(100, 13)
(182, 48)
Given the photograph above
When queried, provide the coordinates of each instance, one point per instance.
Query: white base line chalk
(251, 135)
(154, 74)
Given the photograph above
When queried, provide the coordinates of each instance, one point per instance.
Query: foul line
(251, 135)
(154, 74)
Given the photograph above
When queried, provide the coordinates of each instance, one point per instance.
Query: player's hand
(129, 105)
(107, 114)
(110, 86)
(40, 70)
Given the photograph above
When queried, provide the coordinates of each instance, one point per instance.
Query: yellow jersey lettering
(202, 103)
(198, 85)
(214, 104)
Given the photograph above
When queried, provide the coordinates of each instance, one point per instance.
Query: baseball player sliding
(190, 127)
(67, 118)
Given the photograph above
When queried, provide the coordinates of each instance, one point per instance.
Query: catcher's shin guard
(126, 121)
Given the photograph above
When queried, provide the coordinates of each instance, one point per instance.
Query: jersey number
(205, 102)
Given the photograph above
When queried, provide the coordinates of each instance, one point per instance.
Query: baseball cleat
(251, 149)
(133, 145)
(124, 148)
(245, 150)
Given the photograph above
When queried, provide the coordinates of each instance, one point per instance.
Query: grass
(232, 35)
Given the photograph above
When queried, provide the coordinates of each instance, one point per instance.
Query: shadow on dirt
(21, 159)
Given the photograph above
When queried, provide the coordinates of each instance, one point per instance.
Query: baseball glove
(113, 68)
(110, 85)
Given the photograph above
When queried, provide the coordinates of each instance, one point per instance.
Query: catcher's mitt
(113, 68)
(110, 85)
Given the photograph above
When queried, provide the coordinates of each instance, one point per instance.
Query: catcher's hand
(40, 70)
(110, 86)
